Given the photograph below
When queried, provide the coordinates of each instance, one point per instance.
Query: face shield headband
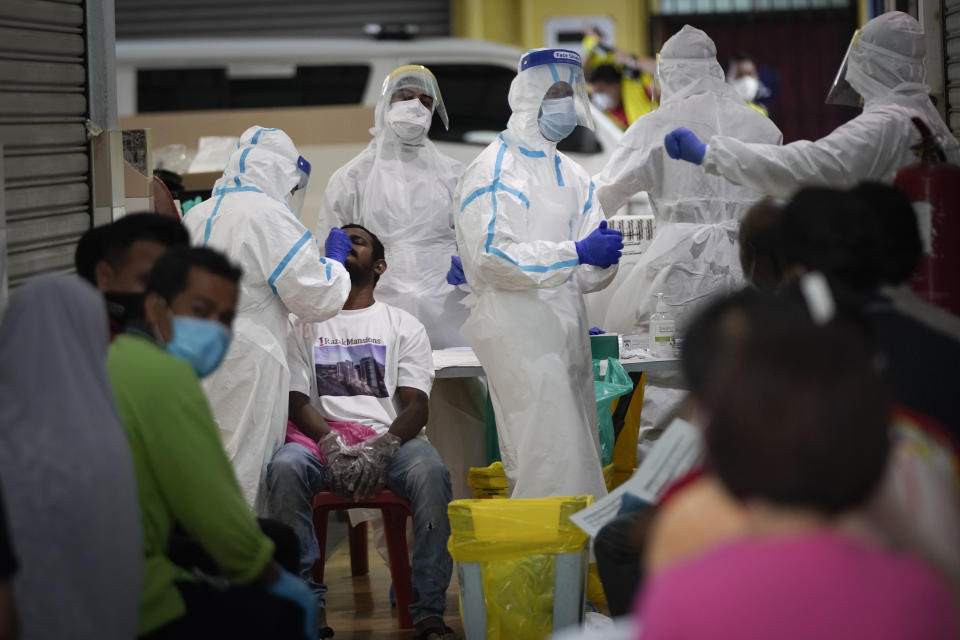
(564, 66)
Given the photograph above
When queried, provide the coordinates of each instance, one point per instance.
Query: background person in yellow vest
(742, 74)
(621, 84)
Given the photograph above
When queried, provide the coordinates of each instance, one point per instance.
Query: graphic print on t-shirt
(351, 367)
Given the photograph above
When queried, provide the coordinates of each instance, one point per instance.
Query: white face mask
(747, 87)
(409, 119)
(603, 101)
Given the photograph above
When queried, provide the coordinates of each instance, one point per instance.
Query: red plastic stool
(395, 512)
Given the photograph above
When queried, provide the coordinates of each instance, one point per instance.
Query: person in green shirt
(183, 476)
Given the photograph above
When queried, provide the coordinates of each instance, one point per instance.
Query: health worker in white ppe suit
(883, 68)
(694, 253)
(533, 239)
(249, 217)
(403, 189)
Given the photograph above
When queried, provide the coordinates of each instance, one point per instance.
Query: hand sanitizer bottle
(663, 331)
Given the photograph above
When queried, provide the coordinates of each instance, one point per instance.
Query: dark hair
(833, 232)
(170, 273)
(899, 245)
(605, 73)
(140, 227)
(761, 245)
(739, 56)
(89, 252)
(377, 246)
(718, 328)
(798, 416)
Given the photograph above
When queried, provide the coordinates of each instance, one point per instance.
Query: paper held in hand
(677, 451)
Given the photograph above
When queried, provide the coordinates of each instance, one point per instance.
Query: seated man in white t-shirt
(367, 369)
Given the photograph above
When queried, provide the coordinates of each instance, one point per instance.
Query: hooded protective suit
(403, 190)
(248, 219)
(885, 66)
(521, 207)
(69, 483)
(694, 252)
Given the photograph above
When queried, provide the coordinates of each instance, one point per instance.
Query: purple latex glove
(455, 275)
(601, 248)
(338, 245)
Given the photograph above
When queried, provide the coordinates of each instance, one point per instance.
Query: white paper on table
(454, 357)
(677, 451)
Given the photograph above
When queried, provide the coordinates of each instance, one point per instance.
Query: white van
(157, 76)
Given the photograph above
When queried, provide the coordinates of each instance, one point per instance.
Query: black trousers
(618, 560)
(227, 611)
(246, 613)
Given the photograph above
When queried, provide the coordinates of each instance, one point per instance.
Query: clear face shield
(840, 91)
(657, 86)
(565, 104)
(299, 194)
(416, 82)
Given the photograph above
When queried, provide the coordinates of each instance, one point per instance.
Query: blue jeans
(416, 473)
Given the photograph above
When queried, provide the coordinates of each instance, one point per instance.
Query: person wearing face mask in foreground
(183, 477)
(252, 218)
(883, 68)
(533, 239)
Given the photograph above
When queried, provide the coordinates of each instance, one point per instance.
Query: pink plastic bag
(352, 433)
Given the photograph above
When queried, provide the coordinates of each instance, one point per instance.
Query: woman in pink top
(797, 433)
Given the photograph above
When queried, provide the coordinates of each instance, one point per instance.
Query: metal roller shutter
(172, 18)
(951, 53)
(43, 106)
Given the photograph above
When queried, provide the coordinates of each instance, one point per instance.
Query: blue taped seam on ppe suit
(522, 206)
(283, 273)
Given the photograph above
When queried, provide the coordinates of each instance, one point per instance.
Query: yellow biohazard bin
(491, 481)
(521, 565)
(488, 482)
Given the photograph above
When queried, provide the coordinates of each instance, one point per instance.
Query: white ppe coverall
(247, 218)
(694, 253)
(522, 205)
(885, 66)
(403, 190)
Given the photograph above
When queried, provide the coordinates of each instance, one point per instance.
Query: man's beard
(358, 274)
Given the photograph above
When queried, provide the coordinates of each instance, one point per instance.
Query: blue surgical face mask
(558, 118)
(202, 343)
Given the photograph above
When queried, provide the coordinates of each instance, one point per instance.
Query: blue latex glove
(683, 144)
(455, 275)
(291, 588)
(338, 245)
(596, 331)
(601, 248)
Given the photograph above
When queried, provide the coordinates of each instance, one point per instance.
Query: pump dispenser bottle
(663, 331)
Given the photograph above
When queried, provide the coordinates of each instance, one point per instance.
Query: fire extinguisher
(933, 186)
